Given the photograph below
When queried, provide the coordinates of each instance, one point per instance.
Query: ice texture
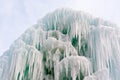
(64, 45)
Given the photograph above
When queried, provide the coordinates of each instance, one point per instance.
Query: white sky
(17, 15)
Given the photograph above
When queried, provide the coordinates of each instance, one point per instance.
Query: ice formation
(64, 45)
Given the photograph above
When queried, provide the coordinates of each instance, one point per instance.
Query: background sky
(17, 15)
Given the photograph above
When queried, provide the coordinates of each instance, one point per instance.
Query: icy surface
(64, 45)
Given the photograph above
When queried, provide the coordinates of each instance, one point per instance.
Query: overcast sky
(17, 15)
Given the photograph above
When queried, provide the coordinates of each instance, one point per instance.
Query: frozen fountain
(64, 45)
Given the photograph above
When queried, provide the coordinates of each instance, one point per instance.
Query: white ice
(64, 45)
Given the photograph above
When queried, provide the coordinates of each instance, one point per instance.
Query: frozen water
(64, 45)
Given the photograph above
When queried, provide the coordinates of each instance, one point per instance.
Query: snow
(64, 45)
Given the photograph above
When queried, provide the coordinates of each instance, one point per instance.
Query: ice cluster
(64, 45)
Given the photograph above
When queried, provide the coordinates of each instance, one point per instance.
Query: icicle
(75, 65)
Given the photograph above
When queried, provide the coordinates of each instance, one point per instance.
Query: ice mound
(64, 45)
